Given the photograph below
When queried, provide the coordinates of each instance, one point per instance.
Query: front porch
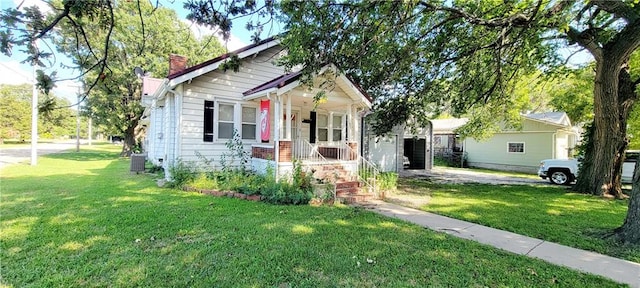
(352, 177)
(309, 156)
(315, 125)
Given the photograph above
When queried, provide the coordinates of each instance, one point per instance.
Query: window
(516, 147)
(323, 127)
(337, 128)
(249, 123)
(225, 121)
(208, 121)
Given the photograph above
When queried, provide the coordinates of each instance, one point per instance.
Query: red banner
(265, 128)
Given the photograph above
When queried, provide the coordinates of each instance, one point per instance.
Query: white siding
(169, 132)
(383, 151)
(155, 135)
(224, 87)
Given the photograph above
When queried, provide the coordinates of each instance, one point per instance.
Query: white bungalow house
(196, 110)
(543, 136)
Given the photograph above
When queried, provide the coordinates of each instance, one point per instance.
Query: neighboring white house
(196, 110)
(543, 136)
(388, 151)
(445, 138)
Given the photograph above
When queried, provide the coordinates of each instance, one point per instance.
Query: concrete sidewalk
(622, 271)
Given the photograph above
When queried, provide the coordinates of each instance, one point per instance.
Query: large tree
(417, 57)
(15, 113)
(142, 36)
(106, 40)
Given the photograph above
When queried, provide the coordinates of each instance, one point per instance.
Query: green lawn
(545, 212)
(80, 219)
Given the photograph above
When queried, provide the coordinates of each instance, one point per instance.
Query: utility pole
(34, 115)
(78, 124)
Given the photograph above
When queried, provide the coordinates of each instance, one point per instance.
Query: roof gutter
(260, 94)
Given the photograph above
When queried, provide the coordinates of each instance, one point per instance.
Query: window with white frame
(515, 147)
(323, 127)
(249, 120)
(337, 127)
(225, 121)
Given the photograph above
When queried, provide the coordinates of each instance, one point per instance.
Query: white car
(565, 171)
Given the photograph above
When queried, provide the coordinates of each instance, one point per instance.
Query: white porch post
(279, 116)
(330, 127)
(288, 123)
(276, 134)
(349, 121)
(355, 132)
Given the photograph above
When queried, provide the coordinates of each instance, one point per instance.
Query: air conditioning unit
(137, 162)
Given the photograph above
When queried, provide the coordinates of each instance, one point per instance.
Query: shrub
(202, 181)
(284, 193)
(387, 181)
(181, 174)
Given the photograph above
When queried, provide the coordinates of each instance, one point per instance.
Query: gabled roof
(150, 85)
(556, 118)
(213, 64)
(279, 82)
(275, 84)
(289, 81)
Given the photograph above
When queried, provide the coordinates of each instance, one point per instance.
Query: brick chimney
(177, 63)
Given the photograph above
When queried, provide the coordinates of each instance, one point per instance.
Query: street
(22, 155)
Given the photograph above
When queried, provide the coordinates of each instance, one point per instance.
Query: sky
(13, 72)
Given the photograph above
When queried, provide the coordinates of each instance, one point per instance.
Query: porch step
(350, 192)
(333, 173)
(348, 189)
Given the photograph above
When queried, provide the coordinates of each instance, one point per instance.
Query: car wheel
(560, 177)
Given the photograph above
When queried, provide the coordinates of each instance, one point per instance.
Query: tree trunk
(629, 232)
(129, 142)
(613, 98)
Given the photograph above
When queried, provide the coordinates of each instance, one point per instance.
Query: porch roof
(288, 82)
(276, 83)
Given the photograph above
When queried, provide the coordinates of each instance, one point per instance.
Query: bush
(181, 174)
(202, 181)
(284, 193)
(387, 181)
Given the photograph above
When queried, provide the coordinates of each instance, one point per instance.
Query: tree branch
(141, 51)
(619, 9)
(587, 41)
(626, 41)
(517, 20)
(55, 21)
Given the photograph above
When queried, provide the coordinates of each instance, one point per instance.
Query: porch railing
(367, 172)
(303, 150)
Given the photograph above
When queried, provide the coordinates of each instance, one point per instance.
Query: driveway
(459, 176)
(15, 155)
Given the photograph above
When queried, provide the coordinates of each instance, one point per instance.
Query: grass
(81, 219)
(550, 213)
